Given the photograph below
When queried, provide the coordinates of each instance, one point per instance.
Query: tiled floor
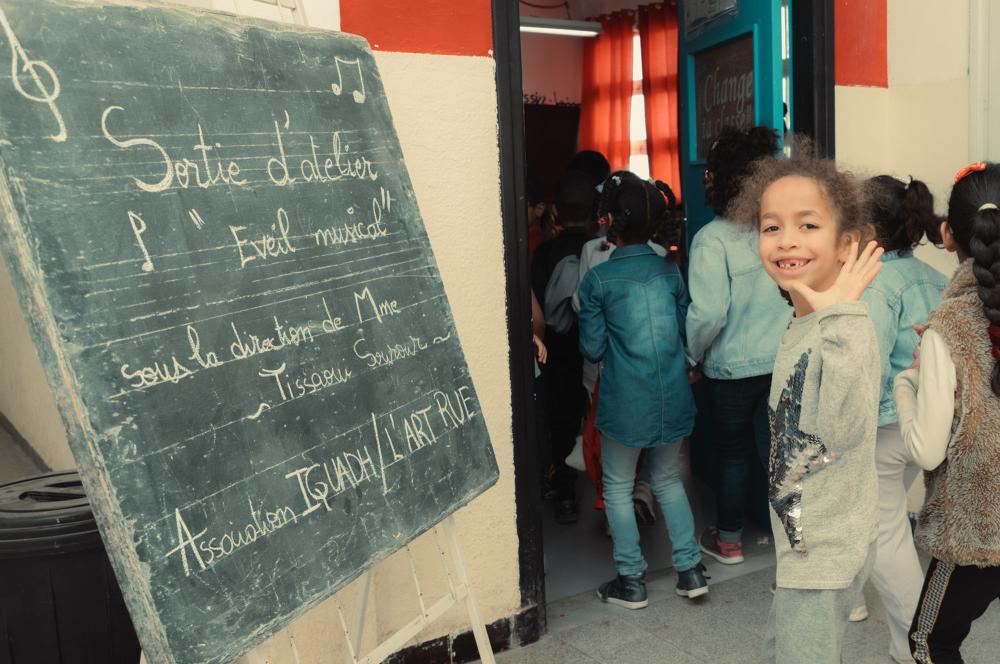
(727, 627)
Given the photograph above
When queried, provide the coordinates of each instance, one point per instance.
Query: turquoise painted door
(731, 73)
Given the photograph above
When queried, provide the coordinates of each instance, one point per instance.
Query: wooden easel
(459, 589)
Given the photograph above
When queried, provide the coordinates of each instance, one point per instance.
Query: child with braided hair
(948, 405)
(632, 312)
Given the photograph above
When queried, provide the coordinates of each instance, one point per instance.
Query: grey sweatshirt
(824, 415)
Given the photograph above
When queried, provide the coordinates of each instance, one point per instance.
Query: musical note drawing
(46, 95)
(139, 227)
(338, 87)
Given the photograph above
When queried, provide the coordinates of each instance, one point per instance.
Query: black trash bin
(59, 599)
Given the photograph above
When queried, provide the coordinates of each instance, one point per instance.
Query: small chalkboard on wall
(217, 246)
(724, 90)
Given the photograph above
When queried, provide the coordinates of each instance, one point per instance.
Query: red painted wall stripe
(442, 27)
(860, 51)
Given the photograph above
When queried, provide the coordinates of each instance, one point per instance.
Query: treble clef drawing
(338, 87)
(47, 94)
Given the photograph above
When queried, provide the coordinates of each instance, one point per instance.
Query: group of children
(803, 309)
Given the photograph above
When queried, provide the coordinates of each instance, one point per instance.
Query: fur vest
(960, 520)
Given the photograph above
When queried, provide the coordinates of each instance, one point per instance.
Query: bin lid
(46, 513)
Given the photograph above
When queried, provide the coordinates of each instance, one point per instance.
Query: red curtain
(659, 46)
(606, 103)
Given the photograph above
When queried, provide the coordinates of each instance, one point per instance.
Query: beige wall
(444, 108)
(919, 125)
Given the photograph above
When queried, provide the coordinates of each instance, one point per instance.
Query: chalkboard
(217, 245)
(724, 90)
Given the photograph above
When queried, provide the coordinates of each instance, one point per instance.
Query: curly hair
(847, 194)
(729, 161)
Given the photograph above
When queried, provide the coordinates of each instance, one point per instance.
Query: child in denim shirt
(632, 311)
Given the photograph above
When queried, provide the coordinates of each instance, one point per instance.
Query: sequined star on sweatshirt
(824, 415)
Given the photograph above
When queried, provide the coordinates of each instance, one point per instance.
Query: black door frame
(813, 98)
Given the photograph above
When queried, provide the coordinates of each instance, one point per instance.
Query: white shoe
(858, 614)
(575, 458)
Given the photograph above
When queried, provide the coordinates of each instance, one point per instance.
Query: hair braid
(984, 245)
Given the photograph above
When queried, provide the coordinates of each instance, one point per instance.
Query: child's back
(640, 301)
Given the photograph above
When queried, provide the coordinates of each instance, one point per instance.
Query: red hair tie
(994, 332)
(976, 167)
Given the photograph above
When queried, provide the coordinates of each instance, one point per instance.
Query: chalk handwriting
(338, 87)
(196, 219)
(206, 550)
(319, 483)
(309, 382)
(270, 245)
(47, 93)
(184, 171)
(393, 352)
(156, 373)
(455, 408)
(208, 361)
(364, 303)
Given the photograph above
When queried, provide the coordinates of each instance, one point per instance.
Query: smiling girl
(824, 399)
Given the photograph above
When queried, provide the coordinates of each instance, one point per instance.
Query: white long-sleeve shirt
(925, 402)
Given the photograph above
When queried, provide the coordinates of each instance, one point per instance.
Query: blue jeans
(619, 461)
(742, 442)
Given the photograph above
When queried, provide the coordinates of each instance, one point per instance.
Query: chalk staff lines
(318, 252)
(214, 303)
(407, 274)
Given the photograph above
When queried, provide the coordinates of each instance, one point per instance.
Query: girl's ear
(846, 239)
(947, 239)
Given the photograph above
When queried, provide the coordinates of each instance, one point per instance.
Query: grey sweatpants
(807, 626)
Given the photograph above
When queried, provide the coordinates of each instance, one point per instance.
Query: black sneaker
(691, 583)
(628, 591)
(566, 512)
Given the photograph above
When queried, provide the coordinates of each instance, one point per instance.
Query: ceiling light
(558, 26)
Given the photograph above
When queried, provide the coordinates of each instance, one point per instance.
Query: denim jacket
(903, 294)
(632, 311)
(737, 315)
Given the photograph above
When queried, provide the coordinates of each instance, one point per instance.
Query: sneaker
(774, 587)
(625, 590)
(691, 583)
(642, 499)
(725, 552)
(566, 512)
(858, 614)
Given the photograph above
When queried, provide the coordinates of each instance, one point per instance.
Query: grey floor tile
(547, 651)
(648, 649)
(604, 639)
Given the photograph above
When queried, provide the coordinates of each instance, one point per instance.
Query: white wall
(552, 68)
(919, 125)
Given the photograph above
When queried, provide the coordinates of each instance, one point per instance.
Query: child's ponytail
(669, 228)
(903, 213)
(985, 248)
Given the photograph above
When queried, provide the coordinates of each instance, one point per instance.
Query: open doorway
(541, 82)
